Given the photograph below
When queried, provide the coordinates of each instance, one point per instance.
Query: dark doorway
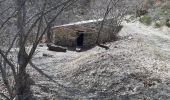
(79, 40)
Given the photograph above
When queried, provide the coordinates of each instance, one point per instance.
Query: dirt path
(156, 36)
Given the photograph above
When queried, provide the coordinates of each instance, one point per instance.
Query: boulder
(56, 48)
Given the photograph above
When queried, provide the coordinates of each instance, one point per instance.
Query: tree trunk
(23, 80)
(23, 85)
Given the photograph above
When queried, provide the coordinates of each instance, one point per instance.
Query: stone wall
(66, 35)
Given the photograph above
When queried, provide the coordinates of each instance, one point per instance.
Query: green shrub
(159, 24)
(146, 20)
(168, 23)
(163, 22)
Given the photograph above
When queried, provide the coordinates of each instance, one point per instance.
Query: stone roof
(79, 23)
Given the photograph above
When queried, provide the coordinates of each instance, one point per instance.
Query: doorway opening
(79, 41)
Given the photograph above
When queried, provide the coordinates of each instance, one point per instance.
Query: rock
(41, 45)
(47, 55)
(141, 12)
(115, 46)
(56, 48)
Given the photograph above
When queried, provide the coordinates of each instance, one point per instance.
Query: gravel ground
(136, 67)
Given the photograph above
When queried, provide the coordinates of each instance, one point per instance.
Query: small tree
(26, 22)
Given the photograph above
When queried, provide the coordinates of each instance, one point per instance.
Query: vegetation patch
(146, 20)
(168, 23)
(159, 23)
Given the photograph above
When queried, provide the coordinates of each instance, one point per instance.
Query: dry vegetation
(135, 67)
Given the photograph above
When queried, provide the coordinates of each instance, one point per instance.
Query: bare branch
(3, 95)
(5, 80)
(12, 44)
(9, 63)
(6, 10)
(108, 9)
(12, 15)
(52, 20)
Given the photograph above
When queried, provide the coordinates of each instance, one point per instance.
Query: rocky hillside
(136, 67)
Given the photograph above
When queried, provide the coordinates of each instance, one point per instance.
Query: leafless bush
(26, 17)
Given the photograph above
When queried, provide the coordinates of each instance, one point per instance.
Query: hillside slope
(136, 67)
